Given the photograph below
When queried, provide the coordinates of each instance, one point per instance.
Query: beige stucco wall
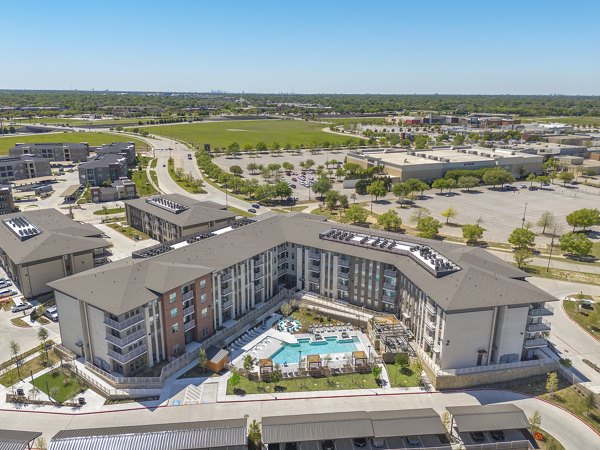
(510, 329)
(467, 332)
(69, 321)
(84, 261)
(35, 277)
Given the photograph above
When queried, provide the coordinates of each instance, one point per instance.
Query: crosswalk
(193, 395)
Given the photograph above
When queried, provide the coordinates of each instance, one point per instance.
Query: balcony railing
(343, 287)
(545, 310)
(259, 262)
(314, 279)
(390, 273)
(259, 274)
(123, 342)
(189, 310)
(188, 296)
(227, 291)
(344, 275)
(313, 266)
(343, 263)
(389, 286)
(226, 277)
(314, 255)
(226, 304)
(189, 325)
(124, 324)
(124, 358)
(535, 343)
(388, 299)
(536, 327)
(430, 309)
(428, 339)
(258, 287)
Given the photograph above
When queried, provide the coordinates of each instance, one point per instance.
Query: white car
(52, 313)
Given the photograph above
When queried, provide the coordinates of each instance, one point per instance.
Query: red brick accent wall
(206, 322)
(172, 339)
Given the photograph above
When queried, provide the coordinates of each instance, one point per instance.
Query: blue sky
(303, 46)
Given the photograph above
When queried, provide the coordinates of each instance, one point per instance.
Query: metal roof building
(406, 422)
(17, 440)
(488, 417)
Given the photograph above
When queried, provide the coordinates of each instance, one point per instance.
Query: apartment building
(465, 307)
(37, 247)
(54, 151)
(14, 168)
(173, 216)
(7, 204)
(126, 149)
(122, 189)
(103, 169)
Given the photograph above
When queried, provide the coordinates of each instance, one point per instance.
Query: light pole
(551, 247)
(369, 357)
(524, 213)
(299, 358)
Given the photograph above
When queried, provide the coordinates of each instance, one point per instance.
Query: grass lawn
(128, 231)
(221, 134)
(19, 322)
(107, 211)
(183, 182)
(337, 216)
(549, 442)
(153, 163)
(571, 399)
(564, 275)
(239, 212)
(61, 387)
(34, 365)
(91, 138)
(154, 177)
(588, 320)
(142, 184)
(596, 250)
(333, 383)
(287, 210)
(77, 122)
(400, 378)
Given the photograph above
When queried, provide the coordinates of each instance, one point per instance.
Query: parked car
(255, 205)
(498, 435)
(523, 186)
(189, 156)
(477, 436)
(359, 442)
(327, 445)
(293, 186)
(52, 313)
(294, 179)
(22, 307)
(377, 442)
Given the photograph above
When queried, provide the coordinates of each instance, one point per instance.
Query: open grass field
(588, 320)
(580, 120)
(59, 386)
(91, 138)
(79, 122)
(221, 134)
(11, 376)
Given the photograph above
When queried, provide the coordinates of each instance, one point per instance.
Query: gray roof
(59, 236)
(170, 436)
(315, 427)
(215, 354)
(488, 417)
(198, 212)
(16, 440)
(406, 422)
(484, 280)
(101, 161)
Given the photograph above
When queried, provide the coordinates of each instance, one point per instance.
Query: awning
(71, 190)
(173, 436)
(316, 427)
(406, 422)
(17, 440)
(488, 417)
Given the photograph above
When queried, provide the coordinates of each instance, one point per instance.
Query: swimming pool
(289, 353)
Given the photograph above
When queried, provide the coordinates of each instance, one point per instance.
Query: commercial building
(102, 169)
(167, 217)
(7, 204)
(14, 168)
(54, 151)
(431, 164)
(37, 247)
(122, 189)
(548, 150)
(126, 149)
(467, 310)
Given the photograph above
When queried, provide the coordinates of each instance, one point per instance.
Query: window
(204, 312)
(205, 331)
(173, 297)
(173, 313)
(174, 328)
(203, 298)
(202, 284)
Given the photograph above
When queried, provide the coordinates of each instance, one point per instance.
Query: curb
(575, 322)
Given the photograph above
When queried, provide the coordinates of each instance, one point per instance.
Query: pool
(289, 353)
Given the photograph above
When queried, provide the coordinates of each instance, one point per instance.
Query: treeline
(137, 104)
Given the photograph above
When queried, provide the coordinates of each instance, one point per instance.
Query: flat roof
(406, 422)
(36, 180)
(71, 190)
(169, 436)
(488, 417)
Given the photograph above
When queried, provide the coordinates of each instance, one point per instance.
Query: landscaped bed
(402, 376)
(59, 384)
(11, 376)
(589, 320)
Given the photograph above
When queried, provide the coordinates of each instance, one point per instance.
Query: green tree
(522, 256)
(235, 379)
(390, 220)
(401, 190)
(331, 199)
(576, 244)
(497, 176)
(236, 170)
(252, 167)
(321, 186)
(416, 185)
(421, 141)
(282, 190)
(254, 436)
(274, 168)
(377, 189)
(309, 163)
(531, 178)
(472, 233)
(202, 359)
(249, 363)
(535, 420)
(287, 166)
(275, 376)
(546, 220)
(521, 238)
(552, 383)
(428, 227)
(42, 336)
(468, 182)
(376, 371)
(233, 149)
(450, 213)
(444, 183)
(565, 177)
(343, 201)
(583, 218)
(551, 164)
(261, 147)
(247, 147)
(356, 214)
(458, 139)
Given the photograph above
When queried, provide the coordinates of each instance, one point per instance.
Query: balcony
(430, 325)
(343, 262)
(314, 279)
(535, 343)
(314, 266)
(428, 339)
(259, 262)
(123, 342)
(430, 309)
(124, 358)
(389, 286)
(227, 291)
(189, 325)
(541, 310)
(226, 304)
(388, 299)
(390, 273)
(343, 287)
(537, 327)
(188, 296)
(258, 274)
(315, 256)
(258, 287)
(343, 275)
(189, 310)
(124, 324)
(226, 277)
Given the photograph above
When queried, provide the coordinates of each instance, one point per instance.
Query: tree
(552, 383)
(531, 178)
(15, 350)
(377, 189)
(441, 184)
(236, 170)
(308, 164)
(233, 149)
(252, 167)
(274, 168)
(583, 218)
(428, 227)
(356, 214)
(321, 186)
(282, 190)
(401, 190)
(331, 199)
(40, 443)
(343, 201)
(497, 176)
(522, 256)
(275, 376)
(254, 436)
(287, 166)
(376, 371)
(247, 147)
(42, 336)
(468, 182)
(450, 213)
(521, 238)
(261, 147)
(576, 244)
(472, 233)
(390, 220)
(416, 185)
(421, 141)
(565, 177)
(249, 363)
(235, 379)
(286, 309)
(202, 359)
(458, 139)
(535, 421)
(546, 220)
